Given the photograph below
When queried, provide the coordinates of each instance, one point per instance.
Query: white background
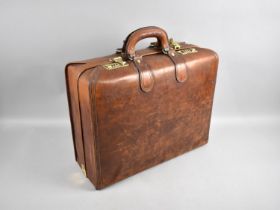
(238, 169)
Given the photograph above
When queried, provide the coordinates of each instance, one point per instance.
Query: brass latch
(176, 46)
(116, 62)
(173, 44)
(187, 51)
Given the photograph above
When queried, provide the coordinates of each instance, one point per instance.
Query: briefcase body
(135, 109)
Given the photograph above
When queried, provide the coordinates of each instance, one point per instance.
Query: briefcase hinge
(116, 62)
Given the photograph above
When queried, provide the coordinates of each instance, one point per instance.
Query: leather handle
(143, 33)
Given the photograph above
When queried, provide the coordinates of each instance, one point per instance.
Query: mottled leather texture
(131, 118)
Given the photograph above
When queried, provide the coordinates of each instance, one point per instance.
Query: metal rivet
(138, 61)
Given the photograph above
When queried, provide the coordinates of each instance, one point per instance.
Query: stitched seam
(213, 95)
(70, 108)
(99, 179)
(81, 123)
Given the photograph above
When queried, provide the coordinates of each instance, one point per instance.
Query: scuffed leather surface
(138, 130)
(124, 129)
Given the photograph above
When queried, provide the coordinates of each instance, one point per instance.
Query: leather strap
(180, 66)
(146, 77)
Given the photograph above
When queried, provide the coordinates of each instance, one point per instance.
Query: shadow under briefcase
(135, 109)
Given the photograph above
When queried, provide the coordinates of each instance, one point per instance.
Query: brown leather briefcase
(135, 109)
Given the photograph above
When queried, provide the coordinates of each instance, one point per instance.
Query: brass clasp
(187, 51)
(116, 62)
(173, 44)
(176, 46)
